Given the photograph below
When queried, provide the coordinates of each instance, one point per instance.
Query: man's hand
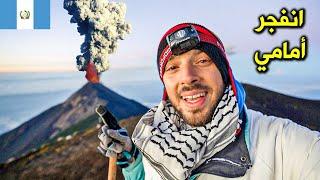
(113, 142)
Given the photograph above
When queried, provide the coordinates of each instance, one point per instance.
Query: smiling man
(202, 129)
(194, 86)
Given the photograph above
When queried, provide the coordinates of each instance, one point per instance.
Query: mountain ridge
(304, 112)
(77, 157)
(80, 105)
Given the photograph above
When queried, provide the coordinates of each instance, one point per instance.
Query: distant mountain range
(53, 121)
(77, 157)
(301, 111)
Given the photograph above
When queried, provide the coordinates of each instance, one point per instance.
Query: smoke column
(103, 24)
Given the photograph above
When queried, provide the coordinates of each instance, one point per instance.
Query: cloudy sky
(232, 21)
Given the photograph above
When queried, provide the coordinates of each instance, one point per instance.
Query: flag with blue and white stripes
(25, 14)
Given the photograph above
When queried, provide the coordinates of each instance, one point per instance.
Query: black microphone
(107, 117)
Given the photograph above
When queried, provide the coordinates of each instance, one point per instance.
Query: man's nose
(188, 75)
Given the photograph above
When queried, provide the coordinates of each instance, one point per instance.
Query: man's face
(194, 86)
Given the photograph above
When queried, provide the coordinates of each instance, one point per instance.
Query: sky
(55, 49)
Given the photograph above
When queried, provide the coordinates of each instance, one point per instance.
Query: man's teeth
(194, 96)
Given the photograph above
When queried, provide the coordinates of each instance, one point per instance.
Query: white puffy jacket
(278, 148)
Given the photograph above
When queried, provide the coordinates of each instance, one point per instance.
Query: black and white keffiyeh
(174, 148)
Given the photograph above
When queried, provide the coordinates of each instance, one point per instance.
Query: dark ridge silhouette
(302, 111)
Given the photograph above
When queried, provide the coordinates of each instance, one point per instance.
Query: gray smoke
(103, 24)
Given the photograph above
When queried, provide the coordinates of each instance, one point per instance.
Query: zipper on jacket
(231, 162)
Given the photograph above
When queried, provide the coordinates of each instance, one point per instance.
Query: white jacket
(278, 148)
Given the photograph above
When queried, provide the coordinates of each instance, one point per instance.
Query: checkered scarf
(174, 148)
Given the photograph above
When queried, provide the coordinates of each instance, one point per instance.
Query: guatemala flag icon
(24, 14)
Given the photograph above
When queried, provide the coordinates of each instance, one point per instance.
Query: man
(202, 129)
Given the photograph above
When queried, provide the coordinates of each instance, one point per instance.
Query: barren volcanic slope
(49, 123)
(76, 158)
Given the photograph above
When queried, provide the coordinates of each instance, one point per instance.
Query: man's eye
(171, 68)
(203, 61)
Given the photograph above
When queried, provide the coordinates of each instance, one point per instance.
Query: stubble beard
(198, 117)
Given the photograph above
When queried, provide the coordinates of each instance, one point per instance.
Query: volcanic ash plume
(103, 24)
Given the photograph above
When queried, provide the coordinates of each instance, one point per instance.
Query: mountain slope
(49, 123)
(77, 158)
(301, 111)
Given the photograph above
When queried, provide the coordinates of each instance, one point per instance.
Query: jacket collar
(233, 161)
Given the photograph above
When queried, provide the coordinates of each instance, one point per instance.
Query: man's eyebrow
(198, 52)
(171, 57)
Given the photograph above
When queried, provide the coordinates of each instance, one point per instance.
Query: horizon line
(50, 69)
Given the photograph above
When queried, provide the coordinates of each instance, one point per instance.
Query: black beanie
(212, 51)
